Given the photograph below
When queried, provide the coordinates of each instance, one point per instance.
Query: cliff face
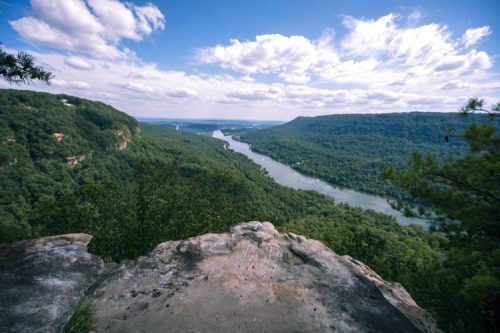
(252, 279)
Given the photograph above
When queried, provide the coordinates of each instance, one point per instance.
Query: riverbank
(287, 176)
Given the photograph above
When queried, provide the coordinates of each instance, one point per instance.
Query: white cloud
(181, 93)
(249, 95)
(414, 16)
(59, 83)
(420, 45)
(374, 53)
(118, 19)
(78, 63)
(150, 19)
(137, 87)
(368, 36)
(399, 46)
(94, 27)
(382, 96)
(79, 85)
(290, 57)
(68, 15)
(149, 91)
(379, 65)
(469, 63)
(457, 84)
(472, 36)
(388, 42)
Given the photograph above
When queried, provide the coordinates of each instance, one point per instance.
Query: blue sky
(262, 59)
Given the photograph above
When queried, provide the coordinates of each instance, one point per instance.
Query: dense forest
(354, 150)
(73, 165)
(62, 147)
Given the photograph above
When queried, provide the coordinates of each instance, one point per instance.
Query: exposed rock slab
(252, 279)
(42, 281)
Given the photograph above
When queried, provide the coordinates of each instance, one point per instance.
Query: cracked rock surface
(43, 281)
(252, 279)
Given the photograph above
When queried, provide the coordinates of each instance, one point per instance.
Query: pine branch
(466, 184)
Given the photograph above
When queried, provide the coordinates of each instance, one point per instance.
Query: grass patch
(81, 321)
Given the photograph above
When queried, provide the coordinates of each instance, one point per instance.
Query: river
(286, 176)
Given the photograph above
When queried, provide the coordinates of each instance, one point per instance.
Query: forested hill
(52, 143)
(69, 164)
(354, 150)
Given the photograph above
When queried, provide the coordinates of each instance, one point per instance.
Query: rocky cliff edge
(251, 279)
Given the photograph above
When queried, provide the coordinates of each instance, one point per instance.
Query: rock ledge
(253, 279)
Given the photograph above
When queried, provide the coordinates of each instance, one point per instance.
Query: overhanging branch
(461, 182)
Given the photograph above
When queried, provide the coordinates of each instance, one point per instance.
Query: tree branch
(458, 181)
(489, 112)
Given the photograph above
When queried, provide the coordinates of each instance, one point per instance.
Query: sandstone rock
(43, 281)
(252, 279)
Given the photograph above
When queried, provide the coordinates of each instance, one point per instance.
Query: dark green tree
(144, 178)
(462, 200)
(21, 68)
(463, 193)
(477, 105)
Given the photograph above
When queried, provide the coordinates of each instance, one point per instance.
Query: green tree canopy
(463, 195)
(21, 68)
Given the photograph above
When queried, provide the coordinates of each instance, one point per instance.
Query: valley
(249, 166)
(354, 150)
(72, 165)
(287, 176)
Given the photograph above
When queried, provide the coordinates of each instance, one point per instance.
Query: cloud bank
(373, 51)
(386, 64)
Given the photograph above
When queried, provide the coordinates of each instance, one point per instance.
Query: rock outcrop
(43, 281)
(251, 279)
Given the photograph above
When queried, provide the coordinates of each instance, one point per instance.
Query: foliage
(475, 105)
(34, 163)
(21, 68)
(161, 204)
(41, 193)
(354, 150)
(464, 195)
(81, 321)
(464, 192)
(172, 185)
